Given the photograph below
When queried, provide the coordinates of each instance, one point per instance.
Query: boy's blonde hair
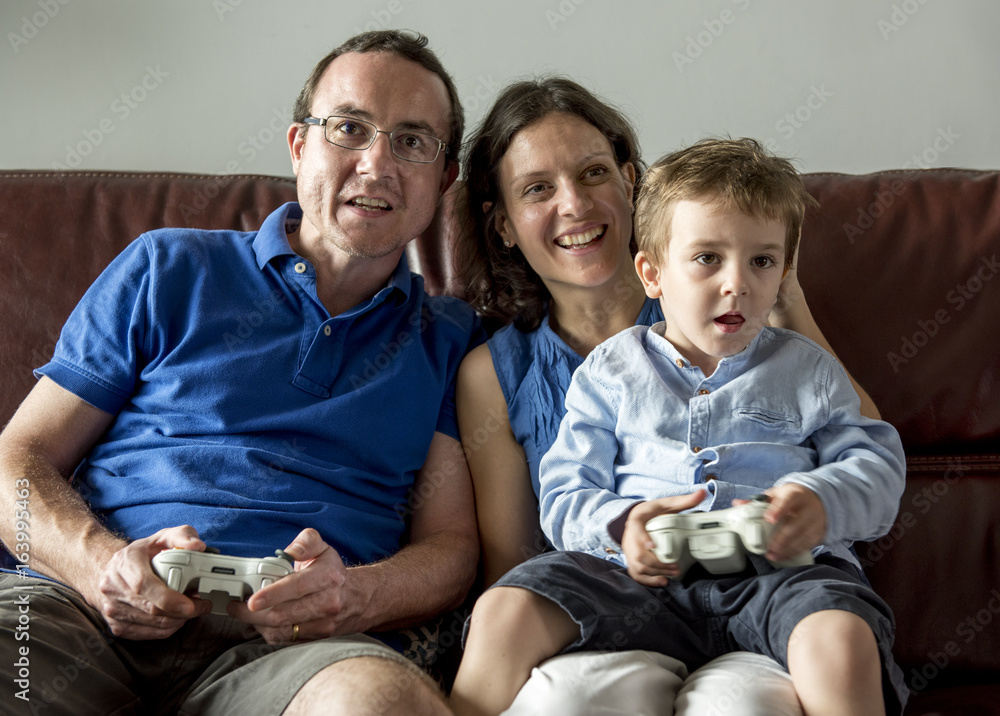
(739, 173)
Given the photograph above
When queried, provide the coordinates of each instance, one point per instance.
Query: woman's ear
(649, 274)
(628, 173)
(501, 224)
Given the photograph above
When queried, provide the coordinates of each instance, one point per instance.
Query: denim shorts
(704, 616)
(73, 666)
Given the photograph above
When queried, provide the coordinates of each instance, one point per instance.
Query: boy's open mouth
(731, 319)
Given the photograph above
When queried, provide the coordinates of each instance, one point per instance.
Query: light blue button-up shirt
(642, 423)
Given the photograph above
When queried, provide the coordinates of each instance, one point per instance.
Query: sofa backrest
(900, 271)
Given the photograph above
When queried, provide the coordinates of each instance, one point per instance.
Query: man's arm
(46, 439)
(431, 574)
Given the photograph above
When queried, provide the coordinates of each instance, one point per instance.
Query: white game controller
(219, 578)
(718, 540)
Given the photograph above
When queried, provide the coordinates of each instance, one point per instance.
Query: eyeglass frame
(324, 122)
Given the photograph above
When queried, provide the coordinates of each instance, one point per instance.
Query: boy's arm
(578, 499)
(861, 470)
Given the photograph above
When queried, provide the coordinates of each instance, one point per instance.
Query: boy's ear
(649, 274)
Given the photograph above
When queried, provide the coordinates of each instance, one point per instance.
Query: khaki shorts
(213, 665)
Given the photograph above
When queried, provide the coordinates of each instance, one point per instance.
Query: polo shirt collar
(272, 241)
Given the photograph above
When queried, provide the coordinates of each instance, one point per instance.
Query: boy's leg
(512, 630)
(834, 662)
(776, 612)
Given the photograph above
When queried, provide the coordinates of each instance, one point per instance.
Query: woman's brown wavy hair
(499, 282)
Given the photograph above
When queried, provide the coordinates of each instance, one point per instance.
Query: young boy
(709, 407)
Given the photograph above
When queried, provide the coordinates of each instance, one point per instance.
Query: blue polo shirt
(243, 407)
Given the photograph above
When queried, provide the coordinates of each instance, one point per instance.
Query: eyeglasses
(353, 133)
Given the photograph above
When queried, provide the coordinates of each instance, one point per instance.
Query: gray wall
(207, 85)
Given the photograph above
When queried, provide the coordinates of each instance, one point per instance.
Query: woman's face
(567, 205)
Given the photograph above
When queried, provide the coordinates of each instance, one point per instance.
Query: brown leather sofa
(900, 269)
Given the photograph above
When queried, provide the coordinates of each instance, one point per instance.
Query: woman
(550, 176)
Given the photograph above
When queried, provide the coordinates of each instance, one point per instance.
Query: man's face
(369, 203)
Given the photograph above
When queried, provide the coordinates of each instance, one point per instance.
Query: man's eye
(350, 128)
(410, 141)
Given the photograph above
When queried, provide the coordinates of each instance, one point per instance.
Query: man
(284, 440)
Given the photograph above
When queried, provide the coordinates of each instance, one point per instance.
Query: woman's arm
(506, 508)
(792, 312)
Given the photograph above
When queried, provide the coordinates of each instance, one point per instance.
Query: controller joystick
(718, 540)
(220, 578)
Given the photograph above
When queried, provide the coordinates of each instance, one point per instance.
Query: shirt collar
(664, 346)
(272, 241)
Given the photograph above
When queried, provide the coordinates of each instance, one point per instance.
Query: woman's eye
(596, 172)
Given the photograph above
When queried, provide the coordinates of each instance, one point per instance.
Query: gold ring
(295, 632)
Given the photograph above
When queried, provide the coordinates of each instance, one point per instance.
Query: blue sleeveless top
(535, 370)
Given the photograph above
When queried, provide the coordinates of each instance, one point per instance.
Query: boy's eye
(706, 259)
(763, 262)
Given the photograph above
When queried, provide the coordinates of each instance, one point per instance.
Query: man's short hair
(740, 173)
(408, 45)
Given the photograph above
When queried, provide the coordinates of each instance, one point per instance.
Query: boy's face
(718, 279)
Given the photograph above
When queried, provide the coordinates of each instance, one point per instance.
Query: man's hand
(643, 565)
(312, 598)
(799, 521)
(134, 601)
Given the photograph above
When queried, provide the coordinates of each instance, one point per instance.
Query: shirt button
(703, 391)
(709, 478)
(696, 449)
(679, 362)
(300, 267)
(610, 550)
(327, 330)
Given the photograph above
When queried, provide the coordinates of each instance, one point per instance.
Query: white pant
(644, 683)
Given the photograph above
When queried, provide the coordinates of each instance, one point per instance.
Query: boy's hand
(644, 566)
(799, 521)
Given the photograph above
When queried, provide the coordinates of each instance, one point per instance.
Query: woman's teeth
(580, 239)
